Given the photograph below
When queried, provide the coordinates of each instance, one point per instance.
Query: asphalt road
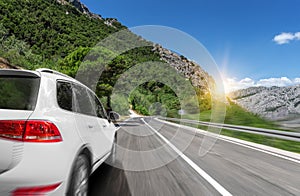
(161, 169)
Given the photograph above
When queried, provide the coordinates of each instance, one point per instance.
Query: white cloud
(296, 81)
(285, 38)
(232, 84)
(283, 81)
(247, 82)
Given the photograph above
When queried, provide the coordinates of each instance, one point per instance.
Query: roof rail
(45, 70)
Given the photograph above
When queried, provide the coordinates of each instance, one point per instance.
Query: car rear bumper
(37, 168)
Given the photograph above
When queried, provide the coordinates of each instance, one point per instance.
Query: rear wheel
(80, 177)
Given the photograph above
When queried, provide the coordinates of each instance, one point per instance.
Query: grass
(268, 141)
(291, 146)
(237, 116)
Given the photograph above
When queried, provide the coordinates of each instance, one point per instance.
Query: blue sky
(240, 35)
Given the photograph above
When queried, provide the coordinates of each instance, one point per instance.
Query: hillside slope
(52, 29)
(57, 34)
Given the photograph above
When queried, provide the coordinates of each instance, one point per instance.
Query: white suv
(54, 133)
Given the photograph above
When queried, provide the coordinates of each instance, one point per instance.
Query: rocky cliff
(273, 103)
(81, 7)
(85, 10)
(191, 70)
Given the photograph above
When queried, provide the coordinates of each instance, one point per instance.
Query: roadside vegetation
(291, 146)
(236, 115)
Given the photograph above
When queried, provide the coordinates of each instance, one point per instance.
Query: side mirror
(113, 116)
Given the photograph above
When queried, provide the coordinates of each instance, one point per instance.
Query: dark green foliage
(70, 64)
(114, 69)
(51, 29)
(152, 98)
(19, 53)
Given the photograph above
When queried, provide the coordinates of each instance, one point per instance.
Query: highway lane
(240, 170)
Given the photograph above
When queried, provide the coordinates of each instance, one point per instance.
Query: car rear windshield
(18, 92)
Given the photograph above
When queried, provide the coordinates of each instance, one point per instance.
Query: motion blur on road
(227, 169)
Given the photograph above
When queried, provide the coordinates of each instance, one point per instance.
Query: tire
(79, 182)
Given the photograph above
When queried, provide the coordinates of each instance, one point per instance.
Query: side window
(98, 106)
(84, 105)
(65, 95)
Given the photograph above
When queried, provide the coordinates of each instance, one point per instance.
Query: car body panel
(10, 150)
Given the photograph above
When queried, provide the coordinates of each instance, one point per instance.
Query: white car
(54, 133)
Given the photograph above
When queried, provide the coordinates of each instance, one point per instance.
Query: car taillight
(30, 131)
(41, 131)
(12, 129)
(40, 190)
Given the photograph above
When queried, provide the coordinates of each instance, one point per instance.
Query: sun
(227, 85)
(220, 88)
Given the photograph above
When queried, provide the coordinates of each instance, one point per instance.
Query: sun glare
(225, 87)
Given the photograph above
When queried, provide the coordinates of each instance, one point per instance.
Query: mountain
(57, 34)
(81, 7)
(113, 22)
(274, 103)
(191, 70)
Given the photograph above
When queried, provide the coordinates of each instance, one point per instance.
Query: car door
(87, 122)
(106, 127)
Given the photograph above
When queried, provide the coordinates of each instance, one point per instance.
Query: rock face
(85, 10)
(191, 70)
(4, 64)
(274, 103)
(81, 7)
(110, 21)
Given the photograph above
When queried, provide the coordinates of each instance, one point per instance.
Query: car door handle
(104, 126)
(90, 126)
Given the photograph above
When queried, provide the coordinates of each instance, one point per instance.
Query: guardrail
(292, 136)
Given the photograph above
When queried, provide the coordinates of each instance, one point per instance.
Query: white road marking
(201, 172)
(261, 150)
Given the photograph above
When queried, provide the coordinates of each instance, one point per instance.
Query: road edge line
(200, 171)
(251, 145)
